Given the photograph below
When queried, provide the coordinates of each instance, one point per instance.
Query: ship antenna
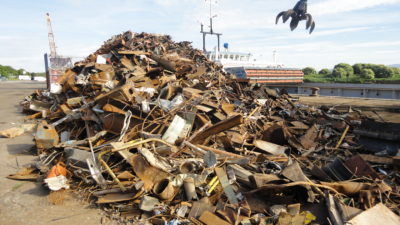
(211, 31)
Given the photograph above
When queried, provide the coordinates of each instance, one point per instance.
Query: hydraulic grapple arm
(298, 13)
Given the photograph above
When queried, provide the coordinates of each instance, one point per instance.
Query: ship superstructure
(245, 66)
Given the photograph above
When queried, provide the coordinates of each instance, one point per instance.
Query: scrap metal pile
(155, 133)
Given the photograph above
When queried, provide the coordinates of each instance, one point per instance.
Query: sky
(351, 31)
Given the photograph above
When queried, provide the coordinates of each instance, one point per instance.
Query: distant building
(40, 78)
(24, 77)
(28, 77)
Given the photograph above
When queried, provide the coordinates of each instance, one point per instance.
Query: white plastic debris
(101, 59)
(57, 183)
(55, 88)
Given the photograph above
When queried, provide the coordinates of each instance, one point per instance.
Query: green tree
(346, 67)
(358, 67)
(382, 71)
(367, 74)
(309, 71)
(324, 72)
(20, 71)
(339, 72)
(396, 71)
(8, 71)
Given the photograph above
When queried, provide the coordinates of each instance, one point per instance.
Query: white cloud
(81, 26)
(339, 31)
(172, 2)
(12, 38)
(374, 44)
(338, 6)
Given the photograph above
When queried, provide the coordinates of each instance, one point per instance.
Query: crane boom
(55, 64)
(52, 43)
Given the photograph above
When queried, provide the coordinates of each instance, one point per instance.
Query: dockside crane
(52, 42)
(55, 64)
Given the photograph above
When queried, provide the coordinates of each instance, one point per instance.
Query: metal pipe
(219, 49)
(204, 43)
(342, 137)
(46, 67)
(109, 169)
(190, 189)
(134, 143)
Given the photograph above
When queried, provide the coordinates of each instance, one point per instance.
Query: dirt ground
(381, 110)
(24, 202)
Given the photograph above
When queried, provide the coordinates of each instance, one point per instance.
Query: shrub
(358, 67)
(367, 74)
(396, 71)
(309, 71)
(346, 67)
(382, 71)
(324, 72)
(339, 73)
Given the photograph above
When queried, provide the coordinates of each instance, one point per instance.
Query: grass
(355, 79)
(12, 78)
(392, 80)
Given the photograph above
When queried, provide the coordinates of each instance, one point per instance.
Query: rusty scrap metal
(154, 131)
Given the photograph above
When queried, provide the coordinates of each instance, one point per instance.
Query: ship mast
(211, 31)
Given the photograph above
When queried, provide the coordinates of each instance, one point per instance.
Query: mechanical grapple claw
(298, 13)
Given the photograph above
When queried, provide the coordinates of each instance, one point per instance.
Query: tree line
(8, 71)
(363, 70)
